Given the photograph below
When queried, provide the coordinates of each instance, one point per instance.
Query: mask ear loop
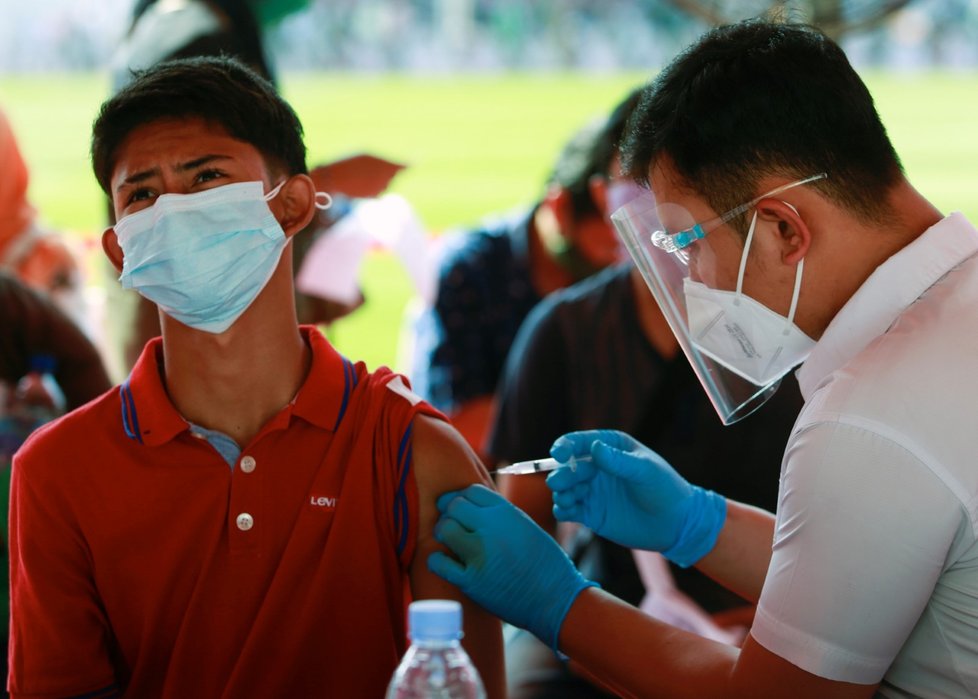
(798, 274)
(328, 200)
(326, 204)
(275, 190)
(743, 257)
(799, 270)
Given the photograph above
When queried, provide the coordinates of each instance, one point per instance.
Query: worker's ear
(791, 233)
(110, 244)
(295, 204)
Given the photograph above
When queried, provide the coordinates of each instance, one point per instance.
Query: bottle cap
(43, 363)
(435, 620)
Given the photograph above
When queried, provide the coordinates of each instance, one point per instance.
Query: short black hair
(220, 90)
(590, 152)
(762, 98)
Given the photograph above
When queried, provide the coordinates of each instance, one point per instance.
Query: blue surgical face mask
(203, 258)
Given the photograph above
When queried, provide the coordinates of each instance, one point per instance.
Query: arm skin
(472, 419)
(443, 462)
(740, 558)
(641, 657)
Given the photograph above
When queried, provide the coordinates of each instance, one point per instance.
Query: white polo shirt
(874, 572)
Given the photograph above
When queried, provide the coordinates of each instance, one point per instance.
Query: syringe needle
(538, 466)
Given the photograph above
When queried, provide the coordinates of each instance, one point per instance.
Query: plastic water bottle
(435, 666)
(35, 399)
(38, 388)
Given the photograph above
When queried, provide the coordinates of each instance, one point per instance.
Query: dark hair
(220, 90)
(762, 98)
(590, 152)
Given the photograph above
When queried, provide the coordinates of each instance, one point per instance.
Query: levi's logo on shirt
(322, 501)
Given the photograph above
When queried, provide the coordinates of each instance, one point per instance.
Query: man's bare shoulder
(442, 458)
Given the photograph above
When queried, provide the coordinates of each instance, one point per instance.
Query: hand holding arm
(629, 494)
(506, 563)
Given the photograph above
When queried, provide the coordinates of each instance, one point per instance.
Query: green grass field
(475, 145)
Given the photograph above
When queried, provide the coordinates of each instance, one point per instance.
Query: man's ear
(110, 244)
(793, 235)
(557, 201)
(295, 204)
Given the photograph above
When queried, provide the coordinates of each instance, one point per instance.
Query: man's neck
(235, 382)
(855, 251)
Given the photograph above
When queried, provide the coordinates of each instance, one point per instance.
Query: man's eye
(141, 194)
(208, 176)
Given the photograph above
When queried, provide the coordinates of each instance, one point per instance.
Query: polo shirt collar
(149, 417)
(325, 394)
(888, 291)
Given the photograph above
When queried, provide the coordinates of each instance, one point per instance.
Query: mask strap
(797, 291)
(328, 201)
(794, 295)
(743, 258)
(798, 271)
(274, 192)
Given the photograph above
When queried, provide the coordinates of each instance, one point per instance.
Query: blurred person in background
(37, 255)
(47, 367)
(490, 277)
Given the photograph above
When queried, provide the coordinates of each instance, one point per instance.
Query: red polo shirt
(142, 565)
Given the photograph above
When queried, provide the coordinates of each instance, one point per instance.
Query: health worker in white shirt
(779, 228)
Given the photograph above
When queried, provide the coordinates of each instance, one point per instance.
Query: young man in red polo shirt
(249, 514)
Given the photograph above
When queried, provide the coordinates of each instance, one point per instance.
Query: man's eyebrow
(144, 175)
(138, 177)
(203, 160)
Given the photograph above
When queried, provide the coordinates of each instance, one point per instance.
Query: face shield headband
(746, 350)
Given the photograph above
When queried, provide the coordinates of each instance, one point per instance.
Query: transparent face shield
(674, 252)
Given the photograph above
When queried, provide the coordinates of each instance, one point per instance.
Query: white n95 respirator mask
(203, 258)
(743, 335)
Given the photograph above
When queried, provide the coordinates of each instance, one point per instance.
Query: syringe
(538, 466)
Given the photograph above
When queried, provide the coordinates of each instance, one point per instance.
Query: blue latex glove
(629, 494)
(506, 563)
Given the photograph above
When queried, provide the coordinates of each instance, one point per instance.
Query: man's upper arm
(58, 628)
(443, 462)
(760, 673)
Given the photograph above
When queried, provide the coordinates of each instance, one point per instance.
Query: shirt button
(245, 521)
(248, 464)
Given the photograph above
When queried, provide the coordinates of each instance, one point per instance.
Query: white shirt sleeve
(862, 534)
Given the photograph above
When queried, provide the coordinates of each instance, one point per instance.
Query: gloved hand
(507, 563)
(629, 494)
